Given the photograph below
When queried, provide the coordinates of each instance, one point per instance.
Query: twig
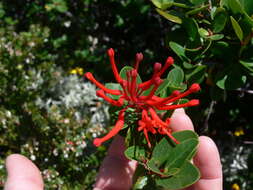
(210, 110)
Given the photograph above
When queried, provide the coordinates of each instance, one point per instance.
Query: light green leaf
(179, 50)
(216, 37)
(176, 76)
(237, 28)
(171, 16)
(124, 75)
(203, 32)
(114, 86)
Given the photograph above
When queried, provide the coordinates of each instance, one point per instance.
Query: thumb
(22, 174)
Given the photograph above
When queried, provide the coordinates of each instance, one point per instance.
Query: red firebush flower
(133, 95)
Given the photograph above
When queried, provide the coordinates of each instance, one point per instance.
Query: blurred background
(50, 113)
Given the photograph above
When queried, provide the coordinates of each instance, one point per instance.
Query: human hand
(117, 171)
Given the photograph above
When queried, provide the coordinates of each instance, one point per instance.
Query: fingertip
(22, 173)
(180, 121)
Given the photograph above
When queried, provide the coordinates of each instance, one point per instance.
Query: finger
(22, 174)
(180, 121)
(207, 159)
(116, 171)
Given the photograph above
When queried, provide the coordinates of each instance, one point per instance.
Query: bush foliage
(50, 114)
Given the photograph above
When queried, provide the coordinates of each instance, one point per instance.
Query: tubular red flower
(194, 88)
(118, 126)
(138, 59)
(101, 94)
(142, 98)
(114, 68)
(89, 76)
(172, 107)
(168, 63)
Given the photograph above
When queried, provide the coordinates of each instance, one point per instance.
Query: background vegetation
(49, 113)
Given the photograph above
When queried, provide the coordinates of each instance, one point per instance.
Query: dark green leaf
(153, 166)
(187, 176)
(181, 153)
(198, 2)
(136, 153)
(161, 151)
(235, 6)
(197, 75)
(185, 135)
(248, 66)
(230, 79)
(248, 6)
(220, 19)
(191, 27)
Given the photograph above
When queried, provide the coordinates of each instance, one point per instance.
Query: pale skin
(116, 171)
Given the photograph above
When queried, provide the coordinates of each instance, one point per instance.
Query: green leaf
(235, 6)
(203, 32)
(185, 135)
(197, 10)
(237, 28)
(248, 66)
(174, 81)
(124, 75)
(216, 37)
(161, 151)
(187, 176)
(197, 75)
(191, 27)
(171, 16)
(198, 2)
(220, 19)
(160, 3)
(180, 153)
(136, 153)
(114, 86)
(176, 76)
(248, 6)
(179, 50)
(231, 78)
(152, 165)
(163, 86)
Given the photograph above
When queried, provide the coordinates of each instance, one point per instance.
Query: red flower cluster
(133, 95)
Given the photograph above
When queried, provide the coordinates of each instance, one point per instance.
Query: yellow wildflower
(238, 132)
(235, 186)
(77, 70)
